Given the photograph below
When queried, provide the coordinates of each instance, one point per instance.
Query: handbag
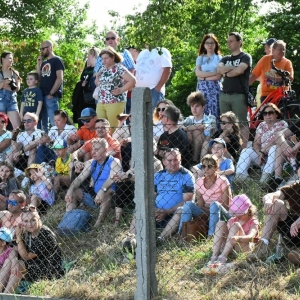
(96, 93)
(88, 97)
(195, 229)
(250, 100)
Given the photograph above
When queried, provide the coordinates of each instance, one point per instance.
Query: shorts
(88, 200)
(284, 227)
(8, 101)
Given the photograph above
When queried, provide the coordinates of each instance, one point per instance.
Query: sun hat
(239, 205)
(59, 144)
(32, 166)
(270, 41)
(217, 140)
(6, 234)
(87, 113)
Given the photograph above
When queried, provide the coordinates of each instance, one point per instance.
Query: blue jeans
(216, 213)
(44, 154)
(8, 101)
(49, 107)
(156, 97)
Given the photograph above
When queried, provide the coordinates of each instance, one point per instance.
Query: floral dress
(111, 79)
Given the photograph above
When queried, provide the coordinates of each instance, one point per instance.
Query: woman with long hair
(10, 82)
(206, 70)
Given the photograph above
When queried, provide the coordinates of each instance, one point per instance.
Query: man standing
(102, 168)
(268, 45)
(269, 79)
(236, 71)
(50, 69)
(153, 69)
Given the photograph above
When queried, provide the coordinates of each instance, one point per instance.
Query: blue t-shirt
(170, 188)
(208, 64)
(99, 180)
(48, 75)
(31, 98)
(226, 164)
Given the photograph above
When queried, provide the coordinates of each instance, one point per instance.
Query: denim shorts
(88, 200)
(8, 101)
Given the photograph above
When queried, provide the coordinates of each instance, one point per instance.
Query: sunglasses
(270, 113)
(28, 208)
(12, 202)
(2, 122)
(86, 120)
(27, 121)
(160, 109)
(43, 48)
(203, 167)
(110, 38)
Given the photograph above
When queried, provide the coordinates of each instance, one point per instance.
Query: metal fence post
(142, 155)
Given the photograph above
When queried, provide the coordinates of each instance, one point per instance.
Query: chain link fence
(218, 236)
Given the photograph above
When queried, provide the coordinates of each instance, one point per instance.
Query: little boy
(32, 97)
(199, 127)
(62, 168)
(226, 166)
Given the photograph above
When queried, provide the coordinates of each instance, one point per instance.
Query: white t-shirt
(25, 138)
(69, 129)
(149, 67)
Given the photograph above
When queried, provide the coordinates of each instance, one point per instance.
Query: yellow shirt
(62, 167)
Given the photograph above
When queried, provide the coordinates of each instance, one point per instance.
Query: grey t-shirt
(238, 84)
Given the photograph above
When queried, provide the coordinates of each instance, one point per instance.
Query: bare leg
(220, 236)
(32, 156)
(245, 135)
(172, 225)
(72, 202)
(119, 212)
(104, 207)
(61, 180)
(14, 118)
(198, 139)
(15, 277)
(205, 148)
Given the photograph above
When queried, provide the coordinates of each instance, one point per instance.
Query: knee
(235, 226)
(214, 206)
(221, 224)
(186, 207)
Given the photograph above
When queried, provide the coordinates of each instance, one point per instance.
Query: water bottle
(293, 163)
(279, 252)
(206, 131)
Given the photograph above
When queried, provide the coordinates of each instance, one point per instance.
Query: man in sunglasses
(11, 218)
(86, 132)
(50, 68)
(26, 142)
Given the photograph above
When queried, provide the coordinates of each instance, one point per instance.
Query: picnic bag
(195, 229)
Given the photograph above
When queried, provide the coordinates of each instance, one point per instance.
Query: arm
(226, 197)
(39, 108)
(252, 78)
(269, 199)
(129, 80)
(249, 237)
(164, 78)
(229, 171)
(236, 71)
(21, 246)
(186, 197)
(22, 110)
(222, 69)
(80, 178)
(58, 81)
(204, 75)
(5, 144)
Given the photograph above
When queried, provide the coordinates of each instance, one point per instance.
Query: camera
(12, 84)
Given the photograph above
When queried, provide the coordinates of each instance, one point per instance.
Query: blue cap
(87, 113)
(217, 140)
(6, 235)
(269, 41)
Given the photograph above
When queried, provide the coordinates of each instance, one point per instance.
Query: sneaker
(239, 177)
(265, 177)
(294, 257)
(129, 244)
(274, 184)
(260, 252)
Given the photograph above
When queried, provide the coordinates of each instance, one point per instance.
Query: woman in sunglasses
(262, 153)
(37, 247)
(114, 80)
(157, 116)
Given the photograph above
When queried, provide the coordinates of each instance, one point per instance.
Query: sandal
(222, 259)
(117, 222)
(212, 259)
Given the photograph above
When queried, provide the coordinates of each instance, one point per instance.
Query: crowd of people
(199, 161)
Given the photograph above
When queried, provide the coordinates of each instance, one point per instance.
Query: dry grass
(100, 274)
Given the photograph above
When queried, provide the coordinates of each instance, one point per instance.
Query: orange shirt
(263, 70)
(113, 145)
(86, 134)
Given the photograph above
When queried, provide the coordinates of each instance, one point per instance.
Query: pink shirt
(246, 226)
(214, 193)
(4, 255)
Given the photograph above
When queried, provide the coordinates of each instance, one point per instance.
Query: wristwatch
(104, 189)
(129, 175)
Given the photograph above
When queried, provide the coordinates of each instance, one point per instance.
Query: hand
(294, 228)
(39, 173)
(160, 215)
(123, 142)
(261, 159)
(234, 239)
(74, 137)
(99, 197)
(45, 139)
(18, 231)
(117, 91)
(50, 96)
(39, 60)
(68, 196)
(79, 166)
(288, 151)
(5, 84)
(269, 207)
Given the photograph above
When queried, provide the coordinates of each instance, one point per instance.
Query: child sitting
(41, 191)
(199, 127)
(231, 134)
(226, 166)
(5, 249)
(62, 168)
(239, 233)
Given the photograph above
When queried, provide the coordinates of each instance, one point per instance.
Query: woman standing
(206, 70)
(40, 255)
(113, 80)
(9, 86)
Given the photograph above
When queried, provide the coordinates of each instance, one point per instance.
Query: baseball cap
(217, 140)
(6, 235)
(87, 113)
(59, 144)
(239, 205)
(32, 166)
(270, 41)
